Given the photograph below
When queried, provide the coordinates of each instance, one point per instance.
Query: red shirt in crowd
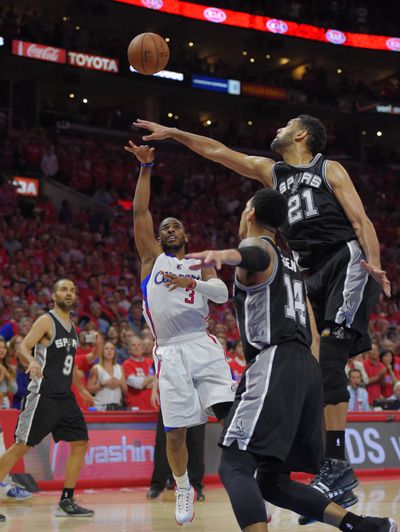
(373, 368)
(84, 367)
(387, 390)
(135, 397)
(237, 369)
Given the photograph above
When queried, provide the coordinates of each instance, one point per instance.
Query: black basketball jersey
(316, 222)
(56, 359)
(274, 312)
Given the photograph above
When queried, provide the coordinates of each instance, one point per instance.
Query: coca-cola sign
(93, 62)
(42, 52)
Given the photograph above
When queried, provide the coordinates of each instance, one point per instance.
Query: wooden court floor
(128, 510)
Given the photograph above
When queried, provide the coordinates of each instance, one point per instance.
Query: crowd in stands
(40, 244)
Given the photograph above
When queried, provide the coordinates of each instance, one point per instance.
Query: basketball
(148, 53)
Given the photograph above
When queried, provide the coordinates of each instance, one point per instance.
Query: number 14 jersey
(274, 312)
(179, 312)
(316, 222)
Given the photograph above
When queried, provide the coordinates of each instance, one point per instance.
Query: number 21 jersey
(316, 222)
(179, 312)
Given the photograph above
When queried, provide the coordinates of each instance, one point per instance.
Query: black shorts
(342, 292)
(277, 411)
(42, 415)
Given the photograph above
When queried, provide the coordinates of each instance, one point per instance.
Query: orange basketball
(148, 53)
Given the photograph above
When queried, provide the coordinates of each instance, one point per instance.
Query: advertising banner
(42, 52)
(264, 91)
(27, 186)
(93, 62)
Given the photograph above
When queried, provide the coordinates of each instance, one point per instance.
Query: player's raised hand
(379, 276)
(158, 132)
(207, 259)
(143, 153)
(174, 281)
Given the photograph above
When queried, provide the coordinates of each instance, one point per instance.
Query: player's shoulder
(44, 319)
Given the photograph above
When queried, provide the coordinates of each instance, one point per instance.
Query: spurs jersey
(273, 312)
(316, 222)
(56, 359)
(176, 313)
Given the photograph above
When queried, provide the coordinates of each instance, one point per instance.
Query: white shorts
(192, 375)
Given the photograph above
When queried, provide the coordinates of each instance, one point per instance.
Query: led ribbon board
(269, 25)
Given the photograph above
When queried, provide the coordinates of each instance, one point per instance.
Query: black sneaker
(200, 495)
(2, 518)
(335, 478)
(345, 501)
(69, 508)
(376, 524)
(153, 492)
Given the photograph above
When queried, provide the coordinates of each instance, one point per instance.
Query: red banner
(42, 52)
(27, 186)
(271, 25)
(264, 91)
(116, 453)
(93, 62)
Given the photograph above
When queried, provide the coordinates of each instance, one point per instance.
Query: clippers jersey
(57, 360)
(176, 313)
(316, 222)
(273, 312)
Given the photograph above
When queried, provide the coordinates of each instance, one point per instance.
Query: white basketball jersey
(176, 313)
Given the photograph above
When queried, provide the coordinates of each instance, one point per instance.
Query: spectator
(238, 362)
(8, 385)
(396, 392)
(49, 163)
(148, 344)
(22, 379)
(107, 379)
(391, 377)
(357, 363)
(11, 243)
(127, 335)
(139, 377)
(135, 318)
(358, 396)
(375, 371)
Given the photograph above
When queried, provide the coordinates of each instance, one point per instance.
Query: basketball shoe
(184, 508)
(376, 524)
(12, 491)
(345, 501)
(69, 508)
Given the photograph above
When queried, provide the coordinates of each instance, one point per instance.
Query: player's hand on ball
(144, 154)
(207, 259)
(379, 276)
(174, 281)
(158, 132)
(34, 370)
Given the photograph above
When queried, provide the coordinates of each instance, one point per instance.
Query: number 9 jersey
(273, 312)
(175, 313)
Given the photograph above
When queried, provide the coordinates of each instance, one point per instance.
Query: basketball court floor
(128, 510)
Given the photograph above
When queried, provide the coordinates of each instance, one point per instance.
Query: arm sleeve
(135, 382)
(213, 289)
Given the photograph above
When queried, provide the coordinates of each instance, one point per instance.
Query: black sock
(350, 521)
(67, 493)
(334, 447)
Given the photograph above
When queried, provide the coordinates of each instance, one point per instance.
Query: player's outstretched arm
(254, 260)
(146, 244)
(259, 168)
(350, 201)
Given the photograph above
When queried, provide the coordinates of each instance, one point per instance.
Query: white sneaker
(184, 510)
(268, 510)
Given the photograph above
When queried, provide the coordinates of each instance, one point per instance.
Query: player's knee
(334, 353)
(79, 447)
(176, 438)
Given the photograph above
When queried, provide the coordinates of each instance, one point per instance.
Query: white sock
(183, 481)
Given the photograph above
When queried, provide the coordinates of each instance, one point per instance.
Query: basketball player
(335, 244)
(50, 406)
(190, 364)
(275, 424)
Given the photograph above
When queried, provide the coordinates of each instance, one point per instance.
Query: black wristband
(254, 258)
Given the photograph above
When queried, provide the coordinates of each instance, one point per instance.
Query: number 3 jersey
(316, 222)
(179, 312)
(56, 359)
(274, 312)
